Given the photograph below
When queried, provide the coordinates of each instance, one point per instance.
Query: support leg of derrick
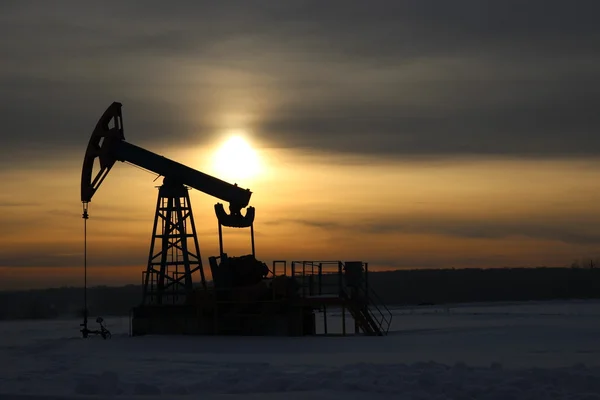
(221, 240)
(343, 319)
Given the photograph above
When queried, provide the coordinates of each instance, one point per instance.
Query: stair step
(364, 316)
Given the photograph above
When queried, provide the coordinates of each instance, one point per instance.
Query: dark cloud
(123, 250)
(383, 77)
(18, 204)
(571, 230)
(424, 261)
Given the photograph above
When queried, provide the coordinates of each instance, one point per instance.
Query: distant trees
(591, 262)
(410, 287)
(475, 285)
(68, 302)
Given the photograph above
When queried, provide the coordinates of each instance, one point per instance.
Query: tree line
(403, 287)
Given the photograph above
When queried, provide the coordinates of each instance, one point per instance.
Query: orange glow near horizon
(411, 214)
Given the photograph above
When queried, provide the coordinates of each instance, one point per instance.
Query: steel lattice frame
(174, 251)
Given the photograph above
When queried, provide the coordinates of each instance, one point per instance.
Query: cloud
(571, 230)
(70, 255)
(18, 204)
(387, 77)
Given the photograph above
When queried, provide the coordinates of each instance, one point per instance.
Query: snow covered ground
(509, 351)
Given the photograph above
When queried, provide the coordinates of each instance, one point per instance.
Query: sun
(236, 159)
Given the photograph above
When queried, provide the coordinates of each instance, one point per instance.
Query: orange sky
(394, 214)
(400, 134)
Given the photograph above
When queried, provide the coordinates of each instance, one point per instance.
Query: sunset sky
(409, 134)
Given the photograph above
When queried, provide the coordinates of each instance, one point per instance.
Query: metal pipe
(85, 217)
(252, 238)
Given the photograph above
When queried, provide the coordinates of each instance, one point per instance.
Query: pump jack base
(192, 320)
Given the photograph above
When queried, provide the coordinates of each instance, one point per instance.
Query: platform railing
(327, 278)
(313, 277)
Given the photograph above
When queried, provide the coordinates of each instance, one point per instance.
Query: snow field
(510, 351)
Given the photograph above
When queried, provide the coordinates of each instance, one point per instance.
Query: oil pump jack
(174, 256)
(241, 299)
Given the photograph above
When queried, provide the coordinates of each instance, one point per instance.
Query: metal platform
(320, 287)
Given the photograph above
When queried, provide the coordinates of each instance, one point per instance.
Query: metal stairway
(370, 313)
(344, 283)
